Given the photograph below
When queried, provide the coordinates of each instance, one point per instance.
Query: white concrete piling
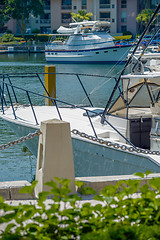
(55, 155)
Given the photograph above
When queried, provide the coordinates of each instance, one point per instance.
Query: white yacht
(87, 43)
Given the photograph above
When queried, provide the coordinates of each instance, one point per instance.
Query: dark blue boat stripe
(89, 50)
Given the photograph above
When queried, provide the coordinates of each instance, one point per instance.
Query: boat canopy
(65, 30)
(92, 25)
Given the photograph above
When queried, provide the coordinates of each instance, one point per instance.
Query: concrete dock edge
(10, 190)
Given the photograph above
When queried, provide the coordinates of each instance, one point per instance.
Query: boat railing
(7, 88)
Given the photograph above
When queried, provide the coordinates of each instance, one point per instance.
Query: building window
(84, 4)
(66, 18)
(113, 20)
(123, 28)
(123, 3)
(105, 4)
(113, 6)
(124, 17)
(45, 19)
(105, 16)
(45, 29)
(47, 4)
(66, 4)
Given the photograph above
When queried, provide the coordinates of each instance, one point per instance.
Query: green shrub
(42, 38)
(8, 38)
(118, 214)
(19, 39)
(8, 31)
(37, 37)
(36, 30)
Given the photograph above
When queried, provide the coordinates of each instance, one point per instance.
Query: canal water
(16, 163)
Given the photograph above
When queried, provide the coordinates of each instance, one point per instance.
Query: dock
(39, 48)
(10, 190)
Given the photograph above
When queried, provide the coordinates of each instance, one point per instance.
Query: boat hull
(109, 55)
(95, 159)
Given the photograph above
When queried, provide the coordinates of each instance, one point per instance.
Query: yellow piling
(50, 83)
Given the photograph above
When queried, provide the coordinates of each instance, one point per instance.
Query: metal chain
(115, 145)
(82, 134)
(20, 140)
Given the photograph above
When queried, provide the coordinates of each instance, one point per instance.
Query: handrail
(57, 73)
(32, 107)
(62, 102)
(49, 96)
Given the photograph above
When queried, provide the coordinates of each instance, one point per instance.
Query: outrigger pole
(128, 61)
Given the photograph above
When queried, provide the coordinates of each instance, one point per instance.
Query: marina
(105, 136)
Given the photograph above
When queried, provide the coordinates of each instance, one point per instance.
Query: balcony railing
(84, 6)
(69, 20)
(124, 20)
(124, 5)
(105, 6)
(45, 21)
(66, 6)
(105, 19)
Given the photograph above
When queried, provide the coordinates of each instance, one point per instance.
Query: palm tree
(81, 15)
(144, 17)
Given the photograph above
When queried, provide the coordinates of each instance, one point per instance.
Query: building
(121, 13)
(102, 10)
(126, 16)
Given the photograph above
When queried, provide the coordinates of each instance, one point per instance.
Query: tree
(3, 18)
(144, 17)
(82, 15)
(21, 9)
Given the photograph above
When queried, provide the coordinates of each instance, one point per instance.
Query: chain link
(115, 145)
(84, 135)
(20, 140)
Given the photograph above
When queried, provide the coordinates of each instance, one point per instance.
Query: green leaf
(28, 189)
(148, 172)
(52, 184)
(88, 191)
(9, 227)
(99, 198)
(79, 184)
(139, 174)
(155, 183)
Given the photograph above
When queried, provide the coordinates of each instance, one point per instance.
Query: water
(15, 162)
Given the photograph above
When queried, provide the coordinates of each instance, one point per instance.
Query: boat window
(114, 50)
(97, 52)
(106, 51)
